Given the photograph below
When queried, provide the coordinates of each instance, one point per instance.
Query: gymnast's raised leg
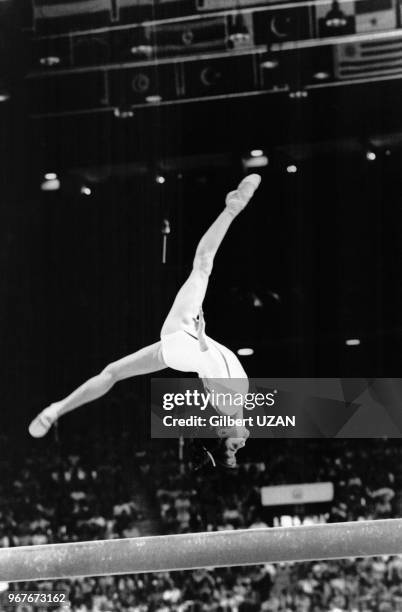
(144, 361)
(190, 297)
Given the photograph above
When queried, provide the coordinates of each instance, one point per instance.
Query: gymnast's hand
(200, 327)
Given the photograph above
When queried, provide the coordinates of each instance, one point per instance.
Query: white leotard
(181, 351)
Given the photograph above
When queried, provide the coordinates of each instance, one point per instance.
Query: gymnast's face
(232, 445)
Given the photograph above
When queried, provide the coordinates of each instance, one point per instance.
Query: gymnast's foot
(43, 422)
(238, 199)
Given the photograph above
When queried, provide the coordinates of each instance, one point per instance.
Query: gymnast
(184, 345)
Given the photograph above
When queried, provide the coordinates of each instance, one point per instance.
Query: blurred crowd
(48, 496)
(96, 487)
(365, 585)
(367, 477)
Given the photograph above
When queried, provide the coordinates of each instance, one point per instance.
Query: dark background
(315, 260)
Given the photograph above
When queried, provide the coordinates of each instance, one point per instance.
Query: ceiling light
(146, 50)
(336, 18)
(123, 113)
(50, 60)
(238, 30)
(255, 162)
(269, 64)
(50, 184)
(352, 342)
(245, 352)
(299, 94)
(321, 75)
(153, 99)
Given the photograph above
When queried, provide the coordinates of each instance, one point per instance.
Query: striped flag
(372, 58)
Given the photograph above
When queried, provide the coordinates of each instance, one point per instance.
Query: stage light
(352, 342)
(336, 18)
(86, 190)
(245, 352)
(321, 75)
(275, 296)
(145, 50)
(239, 33)
(256, 152)
(153, 99)
(49, 61)
(4, 91)
(269, 64)
(298, 94)
(291, 169)
(255, 162)
(238, 38)
(123, 113)
(160, 179)
(257, 302)
(52, 184)
(371, 156)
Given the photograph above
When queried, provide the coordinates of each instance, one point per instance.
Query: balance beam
(198, 550)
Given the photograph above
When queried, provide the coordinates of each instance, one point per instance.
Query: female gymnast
(183, 346)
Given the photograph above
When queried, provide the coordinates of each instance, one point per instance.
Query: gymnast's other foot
(43, 422)
(238, 199)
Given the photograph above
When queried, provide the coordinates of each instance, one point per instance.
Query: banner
(283, 495)
(277, 408)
